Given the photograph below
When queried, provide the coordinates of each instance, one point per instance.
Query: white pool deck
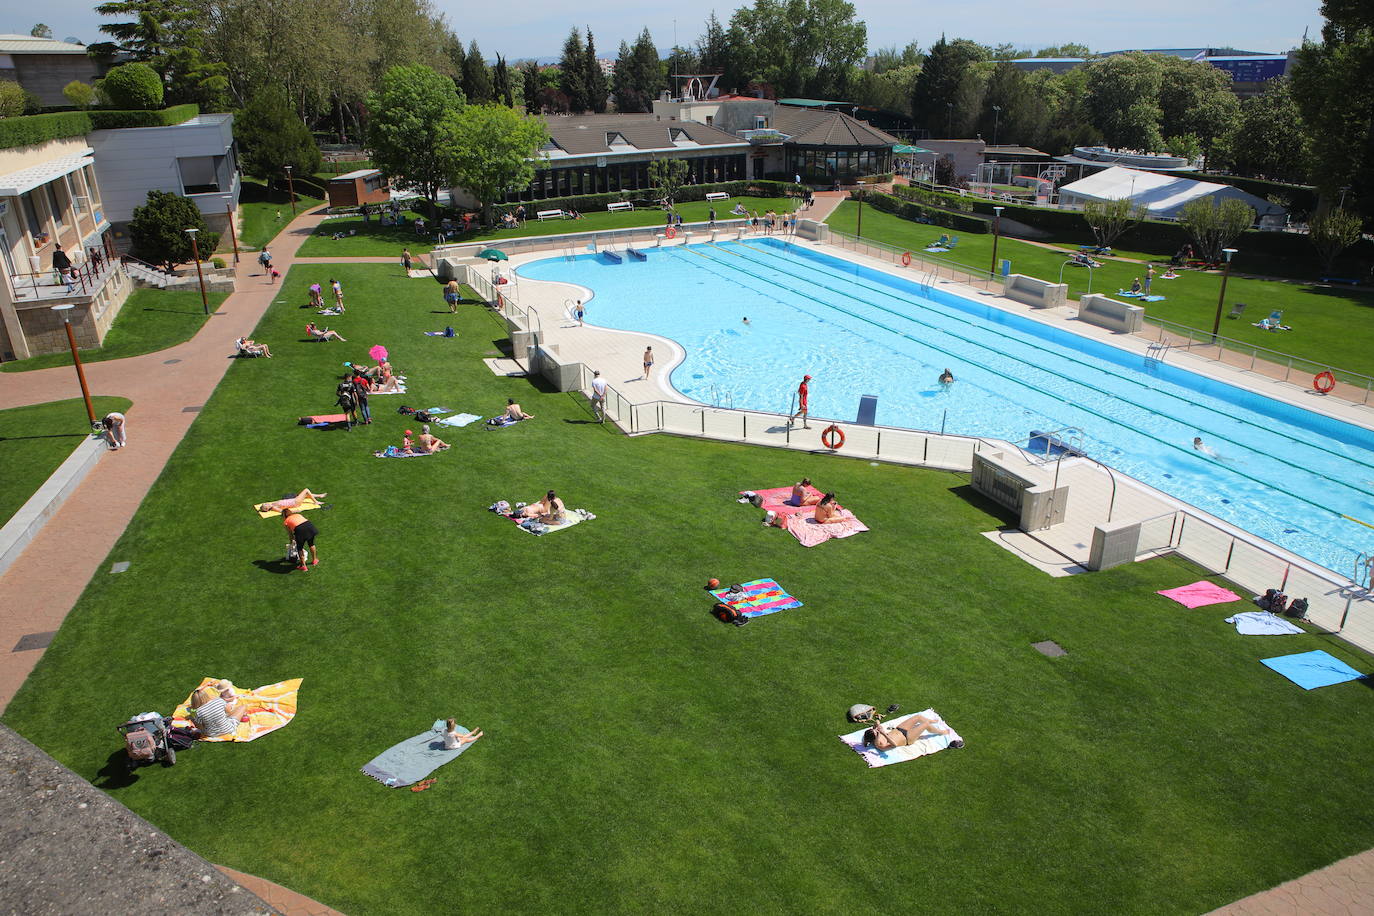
(1096, 493)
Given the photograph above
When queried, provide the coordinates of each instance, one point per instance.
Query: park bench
(619, 205)
(549, 214)
(717, 195)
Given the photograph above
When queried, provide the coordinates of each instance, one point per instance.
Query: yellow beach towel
(306, 503)
(269, 708)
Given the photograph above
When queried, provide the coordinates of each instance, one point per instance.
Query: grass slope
(641, 757)
(259, 207)
(150, 320)
(1330, 326)
(34, 440)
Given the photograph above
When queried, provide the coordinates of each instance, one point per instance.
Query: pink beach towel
(776, 499)
(1200, 594)
(801, 520)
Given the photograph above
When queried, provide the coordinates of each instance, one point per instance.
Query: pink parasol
(378, 353)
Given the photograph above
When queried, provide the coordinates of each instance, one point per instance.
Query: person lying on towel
(903, 734)
(292, 502)
(549, 510)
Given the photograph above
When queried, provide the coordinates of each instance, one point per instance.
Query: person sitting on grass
(907, 733)
(454, 739)
(1135, 285)
(427, 444)
(514, 412)
(317, 333)
(209, 713)
(253, 348)
(549, 510)
(389, 382)
(828, 511)
(508, 221)
(799, 495)
(292, 502)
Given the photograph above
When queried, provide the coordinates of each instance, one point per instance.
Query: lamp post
(195, 251)
(1221, 299)
(291, 188)
(996, 235)
(859, 229)
(996, 122)
(949, 120)
(61, 311)
(233, 236)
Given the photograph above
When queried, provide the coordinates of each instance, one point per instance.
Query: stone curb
(43, 504)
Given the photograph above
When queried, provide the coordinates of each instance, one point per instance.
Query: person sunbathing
(514, 412)
(291, 502)
(828, 511)
(739, 210)
(208, 712)
(233, 706)
(427, 444)
(388, 382)
(322, 333)
(253, 348)
(549, 510)
(1135, 285)
(903, 734)
(799, 495)
(454, 739)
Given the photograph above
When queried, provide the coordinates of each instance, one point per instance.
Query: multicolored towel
(414, 758)
(303, 505)
(926, 744)
(1200, 594)
(570, 518)
(760, 597)
(269, 708)
(1310, 670)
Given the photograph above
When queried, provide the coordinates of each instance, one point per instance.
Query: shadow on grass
(280, 567)
(977, 500)
(48, 436)
(115, 774)
(175, 311)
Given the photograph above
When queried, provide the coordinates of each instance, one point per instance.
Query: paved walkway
(168, 388)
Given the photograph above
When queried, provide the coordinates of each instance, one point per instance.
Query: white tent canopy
(1161, 195)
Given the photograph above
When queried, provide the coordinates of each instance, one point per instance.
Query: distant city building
(43, 66)
(1249, 70)
(607, 65)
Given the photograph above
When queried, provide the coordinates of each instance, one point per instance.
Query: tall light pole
(996, 235)
(62, 311)
(233, 236)
(859, 229)
(195, 251)
(1221, 299)
(996, 122)
(291, 188)
(949, 121)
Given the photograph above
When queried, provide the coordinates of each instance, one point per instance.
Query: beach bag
(292, 554)
(406, 411)
(727, 614)
(500, 506)
(860, 712)
(422, 416)
(1298, 609)
(181, 739)
(140, 745)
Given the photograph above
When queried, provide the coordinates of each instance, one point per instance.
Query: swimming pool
(1286, 474)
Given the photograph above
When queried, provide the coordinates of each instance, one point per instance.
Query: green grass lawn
(34, 440)
(373, 239)
(259, 208)
(640, 756)
(150, 320)
(1330, 326)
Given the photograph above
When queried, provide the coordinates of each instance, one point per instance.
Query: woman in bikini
(799, 495)
(828, 511)
(428, 444)
(549, 510)
(904, 734)
(292, 502)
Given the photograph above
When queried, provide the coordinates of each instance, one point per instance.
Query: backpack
(727, 614)
(406, 411)
(449, 332)
(293, 555)
(140, 745)
(1298, 609)
(422, 416)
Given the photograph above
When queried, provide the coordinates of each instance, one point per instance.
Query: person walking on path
(648, 360)
(405, 260)
(301, 534)
(598, 397)
(360, 388)
(265, 259)
(803, 393)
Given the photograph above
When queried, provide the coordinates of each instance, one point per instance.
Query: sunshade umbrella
(378, 353)
(493, 254)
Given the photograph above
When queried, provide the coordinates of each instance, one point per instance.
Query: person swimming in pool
(946, 377)
(1204, 448)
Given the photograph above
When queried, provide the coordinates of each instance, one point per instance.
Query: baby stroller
(146, 740)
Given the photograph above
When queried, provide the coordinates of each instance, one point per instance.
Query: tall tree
(411, 135)
(272, 136)
(503, 90)
(1270, 138)
(41, 30)
(492, 148)
(169, 36)
(1022, 112)
(893, 58)
(936, 91)
(594, 77)
(798, 47)
(1109, 219)
(477, 84)
(529, 75)
(1333, 232)
(666, 177)
(1214, 226)
(638, 75)
(158, 229)
(1196, 98)
(457, 58)
(572, 73)
(1123, 99)
(713, 47)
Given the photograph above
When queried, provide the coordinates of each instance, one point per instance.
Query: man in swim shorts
(803, 392)
(302, 531)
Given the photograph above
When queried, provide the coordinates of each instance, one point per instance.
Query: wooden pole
(80, 372)
(233, 236)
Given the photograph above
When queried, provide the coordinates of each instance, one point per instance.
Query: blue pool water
(1286, 474)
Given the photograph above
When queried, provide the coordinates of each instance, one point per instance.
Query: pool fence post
(1173, 523)
(943, 417)
(1231, 550)
(925, 449)
(744, 426)
(1286, 570)
(1346, 613)
(878, 446)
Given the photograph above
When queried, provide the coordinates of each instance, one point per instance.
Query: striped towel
(761, 596)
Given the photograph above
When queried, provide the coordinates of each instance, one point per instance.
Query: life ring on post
(832, 437)
(1324, 382)
(906, 259)
(670, 232)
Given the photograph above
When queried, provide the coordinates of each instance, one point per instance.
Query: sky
(537, 28)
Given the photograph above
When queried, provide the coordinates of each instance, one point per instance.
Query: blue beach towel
(414, 758)
(1310, 670)
(1151, 298)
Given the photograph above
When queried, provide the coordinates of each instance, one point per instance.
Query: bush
(921, 213)
(11, 99)
(344, 166)
(131, 86)
(166, 117)
(158, 230)
(32, 129)
(591, 203)
(217, 263)
(79, 94)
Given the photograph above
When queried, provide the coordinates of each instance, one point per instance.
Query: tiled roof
(586, 135)
(27, 44)
(812, 127)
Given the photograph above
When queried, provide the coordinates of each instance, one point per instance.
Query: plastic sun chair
(954, 241)
(1275, 317)
(1237, 309)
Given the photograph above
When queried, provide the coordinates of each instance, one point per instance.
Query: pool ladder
(1360, 576)
(1156, 352)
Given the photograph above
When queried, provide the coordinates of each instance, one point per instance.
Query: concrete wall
(1034, 291)
(967, 155)
(43, 328)
(45, 74)
(1097, 309)
(132, 161)
(23, 157)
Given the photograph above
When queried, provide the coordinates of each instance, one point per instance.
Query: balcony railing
(83, 280)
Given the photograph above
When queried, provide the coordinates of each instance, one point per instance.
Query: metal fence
(924, 270)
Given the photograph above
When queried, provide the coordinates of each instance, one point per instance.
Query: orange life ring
(1324, 382)
(670, 233)
(832, 437)
(906, 259)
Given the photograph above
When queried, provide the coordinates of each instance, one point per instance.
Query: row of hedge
(920, 213)
(934, 198)
(29, 130)
(589, 203)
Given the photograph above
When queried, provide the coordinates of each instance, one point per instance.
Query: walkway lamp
(1221, 299)
(195, 251)
(996, 122)
(62, 311)
(996, 235)
(859, 229)
(291, 188)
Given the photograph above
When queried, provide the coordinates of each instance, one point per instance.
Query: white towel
(1262, 623)
(927, 744)
(459, 419)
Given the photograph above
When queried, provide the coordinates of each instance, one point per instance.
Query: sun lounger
(925, 745)
(1237, 310)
